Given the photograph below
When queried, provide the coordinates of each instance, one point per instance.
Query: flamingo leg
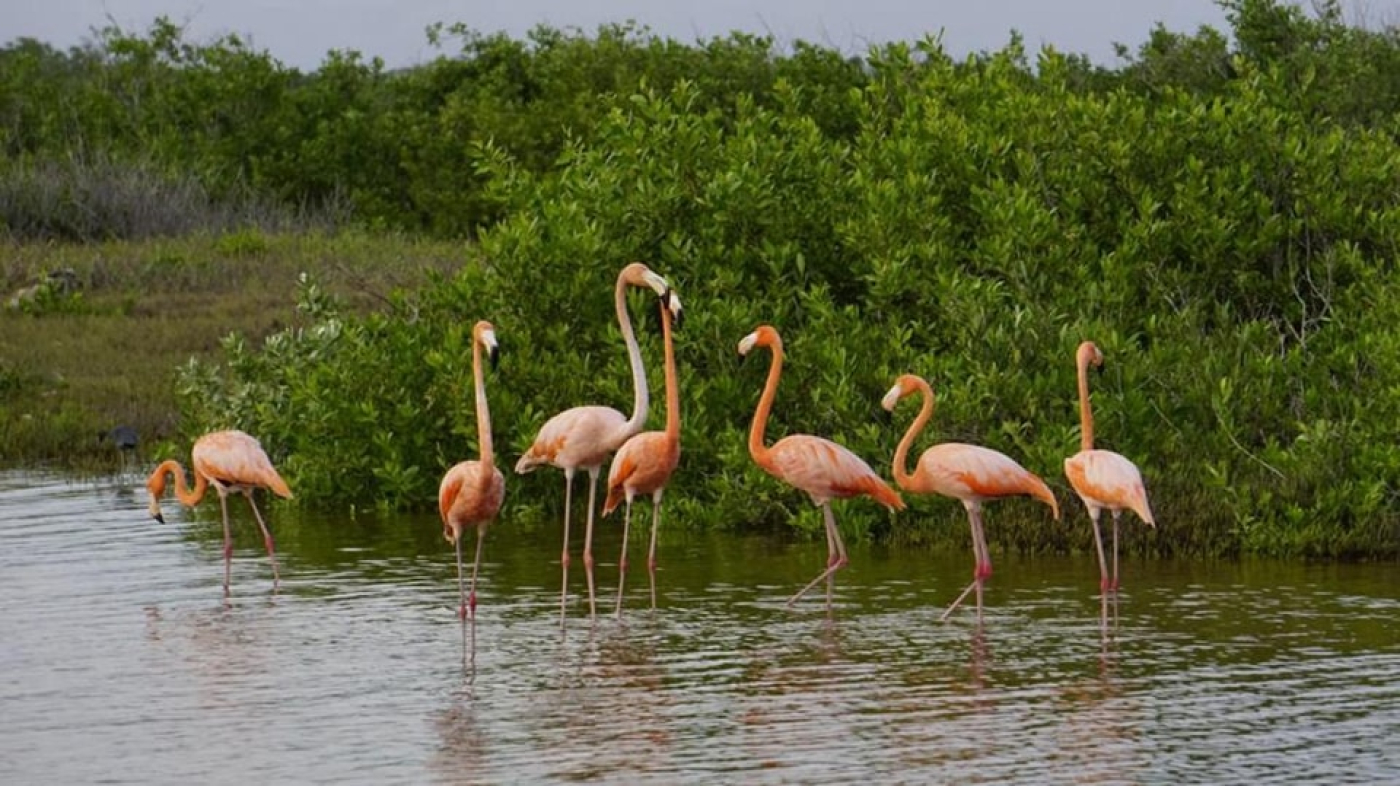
(588, 541)
(228, 538)
(984, 561)
(267, 537)
(977, 558)
(1094, 514)
(461, 585)
(476, 565)
(833, 540)
(830, 558)
(622, 560)
(1114, 585)
(651, 553)
(564, 557)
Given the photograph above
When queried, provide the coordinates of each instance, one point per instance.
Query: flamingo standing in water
(970, 473)
(644, 463)
(228, 461)
(1102, 478)
(820, 467)
(471, 492)
(584, 437)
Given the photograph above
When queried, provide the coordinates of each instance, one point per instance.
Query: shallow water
(120, 661)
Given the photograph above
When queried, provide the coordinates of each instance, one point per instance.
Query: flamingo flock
(584, 437)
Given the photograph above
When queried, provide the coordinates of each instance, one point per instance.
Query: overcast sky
(299, 32)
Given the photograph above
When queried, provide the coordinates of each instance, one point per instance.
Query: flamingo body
(820, 467)
(471, 492)
(230, 461)
(826, 471)
(584, 437)
(1107, 480)
(1104, 480)
(969, 473)
(644, 464)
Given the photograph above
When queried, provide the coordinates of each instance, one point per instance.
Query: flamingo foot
(471, 602)
(1105, 584)
(982, 571)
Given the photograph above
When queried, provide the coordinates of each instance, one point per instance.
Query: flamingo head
(485, 333)
(1089, 355)
(670, 301)
(449, 533)
(156, 486)
(763, 336)
(639, 275)
(905, 385)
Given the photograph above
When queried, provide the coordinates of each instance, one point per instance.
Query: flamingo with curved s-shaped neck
(820, 467)
(471, 492)
(584, 437)
(969, 473)
(230, 461)
(1102, 478)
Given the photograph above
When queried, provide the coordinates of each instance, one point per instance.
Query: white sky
(299, 32)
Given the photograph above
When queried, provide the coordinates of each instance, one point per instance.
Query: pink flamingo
(471, 492)
(1102, 478)
(970, 473)
(644, 463)
(820, 467)
(584, 437)
(228, 461)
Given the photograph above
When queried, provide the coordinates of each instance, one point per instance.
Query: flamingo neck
(640, 399)
(1086, 416)
(673, 392)
(187, 496)
(901, 453)
(757, 449)
(483, 413)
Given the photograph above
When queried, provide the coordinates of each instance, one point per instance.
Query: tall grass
(80, 200)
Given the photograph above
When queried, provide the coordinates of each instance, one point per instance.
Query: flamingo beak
(672, 301)
(892, 398)
(656, 282)
(748, 343)
(493, 350)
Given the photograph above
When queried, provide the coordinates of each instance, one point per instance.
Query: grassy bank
(75, 363)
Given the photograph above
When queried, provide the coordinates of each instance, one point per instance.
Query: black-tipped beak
(159, 517)
(494, 356)
(1099, 368)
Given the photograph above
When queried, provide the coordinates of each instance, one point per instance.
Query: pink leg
(228, 539)
(1114, 585)
(564, 557)
(622, 560)
(978, 558)
(461, 584)
(267, 538)
(588, 541)
(1094, 514)
(835, 563)
(476, 565)
(651, 553)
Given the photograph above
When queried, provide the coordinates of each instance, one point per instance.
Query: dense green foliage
(1222, 218)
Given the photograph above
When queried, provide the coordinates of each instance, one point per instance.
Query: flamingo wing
(971, 471)
(1106, 479)
(577, 437)
(464, 501)
(643, 464)
(237, 459)
(826, 470)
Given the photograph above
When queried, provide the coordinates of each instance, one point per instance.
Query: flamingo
(1102, 478)
(228, 461)
(644, 463)
(584, 437)
(471, 492)
(820, 467)
(970, 473)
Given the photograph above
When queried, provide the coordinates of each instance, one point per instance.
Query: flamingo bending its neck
(584, 437)
(644, 463)
(230, 461)
(969, 473)
(820, 467)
